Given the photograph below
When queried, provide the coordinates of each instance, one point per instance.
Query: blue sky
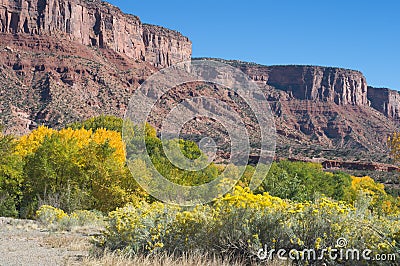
(361, 35)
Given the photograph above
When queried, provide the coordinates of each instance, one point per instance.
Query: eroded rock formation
(337, 85)
(386, 101)
(97, 24)
(328, 84)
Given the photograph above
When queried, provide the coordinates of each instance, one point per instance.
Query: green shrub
(11, 178)
(7, 205)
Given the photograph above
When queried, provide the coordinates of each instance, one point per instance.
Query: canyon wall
(315, 83)
(337, 85)
(341, 86)
(328, 84)
(386, 101)
(164, 46)
(97, 24)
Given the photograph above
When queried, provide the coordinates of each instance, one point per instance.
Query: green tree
(303, 181)
(154, 147)
(54, 176)
(104, 121)
(10, 176)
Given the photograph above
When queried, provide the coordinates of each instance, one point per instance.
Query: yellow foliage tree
(81, 136)
(72, 162)
(28, 144)
(368, 186)
(381, 202)
(114, 139)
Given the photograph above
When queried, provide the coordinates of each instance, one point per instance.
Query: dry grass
(70, 242)
(115, 259)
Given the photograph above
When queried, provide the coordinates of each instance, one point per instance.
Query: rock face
(165, 47)
(326, 112)
(320, 83)
(328, 84)
(45, 81)
(97, 24)
(350, 165)
(386, 101)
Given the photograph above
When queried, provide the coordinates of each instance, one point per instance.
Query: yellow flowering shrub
(57, 219)
(49, 215)
(243, 198)
(190, 230)
(240, 223)
(139, 228)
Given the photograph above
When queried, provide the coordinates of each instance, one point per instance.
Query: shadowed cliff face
(97, 24)
(386, 101)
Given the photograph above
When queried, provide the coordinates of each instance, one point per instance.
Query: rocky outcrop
(368, 166)
(337, 85)
(386, 101)
(315, 83)
(164, 46)
(97, 24)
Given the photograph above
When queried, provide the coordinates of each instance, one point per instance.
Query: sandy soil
(24, 242)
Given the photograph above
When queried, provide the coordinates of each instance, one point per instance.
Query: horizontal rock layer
(95, 23)
(320, 83)
(338, 85)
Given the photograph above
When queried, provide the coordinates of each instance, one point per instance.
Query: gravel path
(23, 242)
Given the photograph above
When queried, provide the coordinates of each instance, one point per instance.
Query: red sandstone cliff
(97, 24)
(329, 84)
(386, 101)
(325, 111)
(316, 83)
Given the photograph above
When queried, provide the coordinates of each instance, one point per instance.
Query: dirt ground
(25, 242)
